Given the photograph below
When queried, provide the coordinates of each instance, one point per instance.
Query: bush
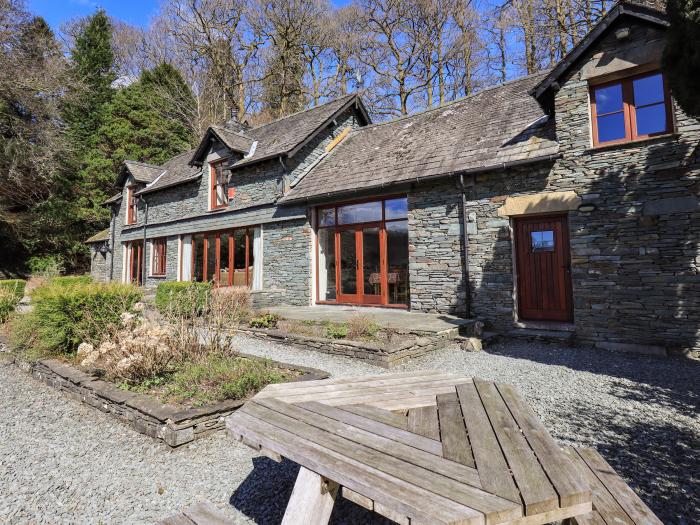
(65, 316)
(11, 293)
(336, 330)
(177, 299)
(266, 320)
(362, 327)
(71, 280)
(46, 266)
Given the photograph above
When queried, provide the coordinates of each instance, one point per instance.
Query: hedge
(182, 299)
(71, 280)
(65, 316)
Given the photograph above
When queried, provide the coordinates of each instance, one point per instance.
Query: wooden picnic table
(416, 447)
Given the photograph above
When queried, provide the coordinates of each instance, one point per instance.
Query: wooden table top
(420, 447)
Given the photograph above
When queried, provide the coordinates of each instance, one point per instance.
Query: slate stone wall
(171, 263)
(436, 275)
(99, 264)
(286, 264)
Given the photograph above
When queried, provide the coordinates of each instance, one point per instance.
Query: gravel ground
(64, 462)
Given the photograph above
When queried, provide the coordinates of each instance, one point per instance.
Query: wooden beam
(312, 500)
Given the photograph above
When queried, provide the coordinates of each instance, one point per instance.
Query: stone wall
(286, 264)
(436, 274)
(99, 263)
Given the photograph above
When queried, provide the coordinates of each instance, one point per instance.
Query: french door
(135, 262)
(360, 264)
(362, 253)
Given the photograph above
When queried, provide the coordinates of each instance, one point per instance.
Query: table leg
(312, 500)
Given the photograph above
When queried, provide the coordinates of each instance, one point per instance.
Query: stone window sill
(668, 137)
(157, 276)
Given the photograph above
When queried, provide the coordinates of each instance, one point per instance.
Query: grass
(215, 378)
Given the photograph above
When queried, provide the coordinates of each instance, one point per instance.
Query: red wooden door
(136, 262)
(360, 264)
(543, 268)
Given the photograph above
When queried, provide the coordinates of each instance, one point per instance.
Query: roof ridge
(348, 95)
(147, 164)
(357, 131)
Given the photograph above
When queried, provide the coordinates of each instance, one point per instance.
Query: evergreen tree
(146, 121)
(682, 54)
(93, 69)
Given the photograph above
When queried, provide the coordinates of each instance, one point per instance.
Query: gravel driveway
(64, 462)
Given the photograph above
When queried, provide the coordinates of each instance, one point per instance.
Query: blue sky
(134, 12)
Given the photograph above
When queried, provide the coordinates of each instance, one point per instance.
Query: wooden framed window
(132, 205)
(159, 247)
(219, 199)
(633, 108)
(226, 257)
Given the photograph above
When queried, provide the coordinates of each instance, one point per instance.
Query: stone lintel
(550, 202)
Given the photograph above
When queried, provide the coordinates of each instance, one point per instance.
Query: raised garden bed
(173, 424)
(381, 352)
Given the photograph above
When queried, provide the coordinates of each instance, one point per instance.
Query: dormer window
(132, 207)
(218, 186)
(634, 108)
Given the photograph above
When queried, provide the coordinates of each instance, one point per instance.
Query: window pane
(239, 265)
(651, 119)
(397, 261)
(251, 258)
(326, 265)
(648, 90)
(348, 262)
(396, 208)
(223, 260)
(365, 212)
(326, 216)
(611, 127)
(371, 269)
(211, 258)
(542, 241)
(608, 99)
(198, 246)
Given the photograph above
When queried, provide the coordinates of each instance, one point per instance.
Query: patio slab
(400, 320)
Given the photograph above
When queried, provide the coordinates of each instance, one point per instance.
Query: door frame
(360, 297)
(138, 247)
(567, 277)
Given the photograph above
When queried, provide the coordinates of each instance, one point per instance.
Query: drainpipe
(112, 227)
(143, 252)
(465, 247)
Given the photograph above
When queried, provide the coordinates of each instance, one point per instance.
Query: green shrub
(46, 266)
(11, 293)
(336, 330)
(65, 316)
(266, 320)
(71, 280)
(177, 299)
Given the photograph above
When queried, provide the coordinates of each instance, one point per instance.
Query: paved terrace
(401, 320)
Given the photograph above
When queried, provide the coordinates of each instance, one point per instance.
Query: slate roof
(283, 136)
(175, 171)
(99, 237)
(498, 125)
(113, 198)
(233, 140)
(143, 172)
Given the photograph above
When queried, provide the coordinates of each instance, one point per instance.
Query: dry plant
(362, 327)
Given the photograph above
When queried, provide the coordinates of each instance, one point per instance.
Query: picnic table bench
(416, 447)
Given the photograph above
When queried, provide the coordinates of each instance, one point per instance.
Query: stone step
(540, 334)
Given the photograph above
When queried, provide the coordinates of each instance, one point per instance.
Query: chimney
(234, 124)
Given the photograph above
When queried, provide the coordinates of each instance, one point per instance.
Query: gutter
(143, 253)
(465, 243)
(418, 179)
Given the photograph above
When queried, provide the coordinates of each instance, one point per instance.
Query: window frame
(249, 233)
(213, 184)
(131, 205)
(629, 109)
(159, 251)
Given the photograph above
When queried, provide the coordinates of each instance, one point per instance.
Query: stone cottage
(565, 200)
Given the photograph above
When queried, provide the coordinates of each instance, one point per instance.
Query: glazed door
(359, 264)
(136, 263)
(543, 269)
